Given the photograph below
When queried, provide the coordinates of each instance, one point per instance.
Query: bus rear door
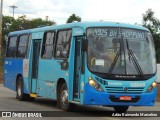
(35, 61)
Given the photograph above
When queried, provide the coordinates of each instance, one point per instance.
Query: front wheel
(64, 103)
(121, 109)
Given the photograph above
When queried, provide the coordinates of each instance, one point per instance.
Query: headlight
(152, 86)
(94, 84)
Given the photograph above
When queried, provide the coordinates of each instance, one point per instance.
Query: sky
(126, 11)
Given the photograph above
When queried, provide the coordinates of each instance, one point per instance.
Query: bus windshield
(120, 51)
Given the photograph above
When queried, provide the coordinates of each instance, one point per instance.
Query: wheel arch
(59, 83)
(18, 76)
(58, 87)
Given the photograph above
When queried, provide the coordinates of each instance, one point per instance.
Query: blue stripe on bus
(13, 68)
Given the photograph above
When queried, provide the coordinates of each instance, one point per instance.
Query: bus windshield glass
(120, 51)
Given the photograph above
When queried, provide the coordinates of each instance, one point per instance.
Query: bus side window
(47, 47)
(63, 44)
(28, 46)
(12, 46)
(22, 46)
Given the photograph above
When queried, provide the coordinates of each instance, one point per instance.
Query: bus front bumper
(94, 97)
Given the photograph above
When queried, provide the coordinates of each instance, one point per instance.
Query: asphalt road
(8, 102)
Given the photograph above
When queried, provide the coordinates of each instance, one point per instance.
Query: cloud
(56, 9)
(129, 11)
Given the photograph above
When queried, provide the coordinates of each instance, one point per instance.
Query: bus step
(76, 99)
(33, 95)
(76, 102)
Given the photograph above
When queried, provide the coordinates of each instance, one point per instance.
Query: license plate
(125, 98)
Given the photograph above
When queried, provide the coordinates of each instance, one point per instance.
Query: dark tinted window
(63, 44)
(23, 40)
(22, 46)
(47, 49)
(28, 46)
(11, 50)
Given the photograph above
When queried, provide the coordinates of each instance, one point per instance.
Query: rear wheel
(121, 109)
(20, 94)
(63, 98)
(31, 98)
(20, 91)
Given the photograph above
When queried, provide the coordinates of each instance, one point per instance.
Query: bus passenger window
(12, 46)
(28, 46)
(22, 46)
(63, 44)
(47, 49)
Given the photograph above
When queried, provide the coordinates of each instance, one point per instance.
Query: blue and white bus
(88, 63)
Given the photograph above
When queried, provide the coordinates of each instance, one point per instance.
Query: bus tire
(20, 95)
(63, 98)
(31, 98)
(121, 109)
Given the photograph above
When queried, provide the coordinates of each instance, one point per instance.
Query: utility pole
(1, 27)
(13, 7)
(46, 18)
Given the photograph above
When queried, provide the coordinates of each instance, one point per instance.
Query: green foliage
(153, 24)
(10, 24)
(21, 23)
(73, 18)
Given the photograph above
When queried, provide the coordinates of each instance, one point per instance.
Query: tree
(38, 22)
(73, 18)
(21, 23)
(153, 24)
(6, 23)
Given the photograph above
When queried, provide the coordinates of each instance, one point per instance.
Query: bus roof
(79, 24)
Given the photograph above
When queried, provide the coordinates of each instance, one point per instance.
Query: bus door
(35, 61)
(77, 69)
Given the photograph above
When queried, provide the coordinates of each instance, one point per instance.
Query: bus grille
(103, 82)
(130, 90)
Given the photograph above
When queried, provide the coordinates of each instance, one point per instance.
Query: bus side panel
(48, 74)
(71, 70)
(26, 76)
(12, 68)
(42, 88)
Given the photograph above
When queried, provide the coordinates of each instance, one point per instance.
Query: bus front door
(77, 69)
(35, 61)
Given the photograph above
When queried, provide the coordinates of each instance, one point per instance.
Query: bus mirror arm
(64, 65)
(84, 44)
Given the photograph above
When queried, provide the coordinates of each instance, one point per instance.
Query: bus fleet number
(137, 85)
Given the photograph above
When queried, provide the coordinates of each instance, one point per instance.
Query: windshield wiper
(114, 62)
(132, 57)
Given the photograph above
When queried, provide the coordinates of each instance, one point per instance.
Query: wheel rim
(19, 89)
(64, 97)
